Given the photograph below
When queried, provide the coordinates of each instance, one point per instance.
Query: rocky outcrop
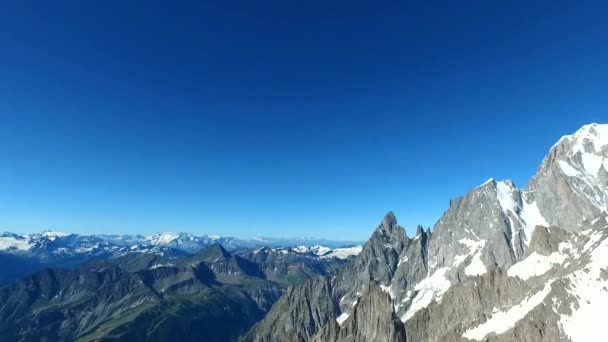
(298, 314)
(372, 319)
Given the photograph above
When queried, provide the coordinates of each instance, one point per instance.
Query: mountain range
(26, 253)
(212, 295)
(501, 264)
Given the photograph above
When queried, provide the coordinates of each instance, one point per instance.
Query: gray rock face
(372, 319)
(487, 214)
(569, 186)
(299, 313)
(502, 264)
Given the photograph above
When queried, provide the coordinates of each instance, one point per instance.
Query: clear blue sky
(290, 118)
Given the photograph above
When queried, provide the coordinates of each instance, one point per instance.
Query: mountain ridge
(31, 252)
(525, 245)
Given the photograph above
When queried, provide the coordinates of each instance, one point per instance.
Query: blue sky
(287, 118)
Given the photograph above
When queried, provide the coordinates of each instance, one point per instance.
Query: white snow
(472, 244)
(155, 266)
(587, 320)
(50, 233)
(12, 243)
(429, 289)
(590, 143)
(476, 267)
(595, 133)
(402, 260)
(342, 318)
(387, 289)
(344, 253)
(162, 239)
(598, 138)
(535, 265)
(568, 169)
(486, 182)
(532, 218)
(86, 249)
(316, 250)
(326, 252)
(505, 197)
(459, 259)
(528, 214)
(502, 321)
(592, 163)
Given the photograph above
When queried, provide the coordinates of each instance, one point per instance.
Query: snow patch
(587, 320)
(486, 182)
(326, 252)
(52, 234)
(428, 290)
(387, 289)
(592, 163)
(502, 321)
(476, 266)
(505, 197)
(342, 318)
(568, 169)
(13, 243)
(155, 266)
(162, 239)
(535, 265)
(532, 218)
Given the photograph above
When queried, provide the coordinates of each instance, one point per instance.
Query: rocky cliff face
(502, 264)
(373, 319)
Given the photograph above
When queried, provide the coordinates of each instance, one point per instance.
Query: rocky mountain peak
(573, 179)
(389, 234)
(502, 263)
(589, 138)
(215, 251)
(389, 222)
(581, 152)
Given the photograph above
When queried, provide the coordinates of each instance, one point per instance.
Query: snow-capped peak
(326, 252)
(172, 239)
(162, 238)
(589, 138)
(53, 234)
(490, 180)
(583, 158)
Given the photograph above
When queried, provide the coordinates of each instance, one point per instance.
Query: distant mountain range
(184, 241)
(502, 264)
(31, 252)
(212, 295)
